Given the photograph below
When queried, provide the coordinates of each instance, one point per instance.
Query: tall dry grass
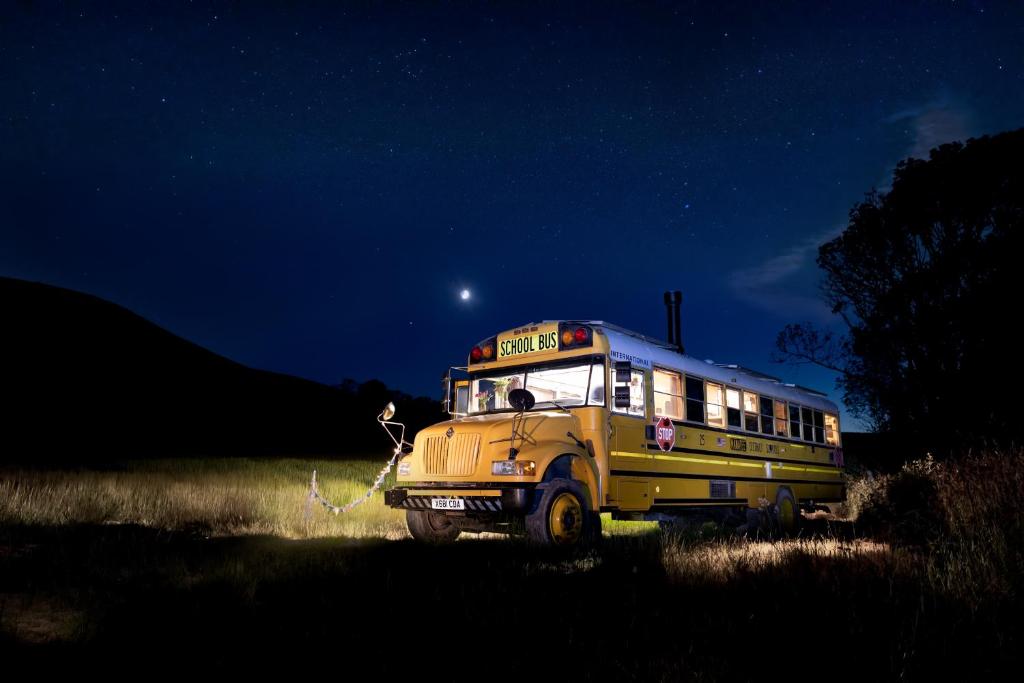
(217, 497)
(963, 518)
(957, 526)
(928, 588)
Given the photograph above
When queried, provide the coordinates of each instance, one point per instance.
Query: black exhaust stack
(675, 334)
(671, 321)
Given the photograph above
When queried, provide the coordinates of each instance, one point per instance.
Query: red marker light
(581, 334)
(476, 353)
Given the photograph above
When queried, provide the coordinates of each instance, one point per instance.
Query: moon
(465, 294)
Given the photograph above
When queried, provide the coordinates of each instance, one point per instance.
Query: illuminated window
(732, 403)
(767, 414)
(552, 386)
(749, 411)
(668, 391)
(491, 393)
(831, 430)
(564, 386)
(715, 405)
(694, 399)
(780, 418)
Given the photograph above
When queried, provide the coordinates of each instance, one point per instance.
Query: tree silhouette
(927, 279)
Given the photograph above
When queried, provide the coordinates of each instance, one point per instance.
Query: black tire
(431, 527)
(787, 513)
(562, 516)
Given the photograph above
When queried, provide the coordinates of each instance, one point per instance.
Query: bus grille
(456, 456)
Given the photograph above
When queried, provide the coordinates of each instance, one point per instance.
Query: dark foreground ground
(130, 600)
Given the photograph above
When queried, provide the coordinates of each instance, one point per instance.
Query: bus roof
(647, 351)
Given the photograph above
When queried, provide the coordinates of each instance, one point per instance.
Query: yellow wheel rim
(565, 519)
(786, 514)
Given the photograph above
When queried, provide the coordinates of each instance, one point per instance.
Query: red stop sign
(665, 433)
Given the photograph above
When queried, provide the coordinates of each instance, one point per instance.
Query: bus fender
(578, 468)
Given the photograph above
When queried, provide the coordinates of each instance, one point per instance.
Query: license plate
(528, 340)
(448, 503)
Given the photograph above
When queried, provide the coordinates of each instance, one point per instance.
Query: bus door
(456, 394)
(630, 456)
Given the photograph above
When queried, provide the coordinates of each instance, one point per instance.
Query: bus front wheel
(562, 516)
(431, 527)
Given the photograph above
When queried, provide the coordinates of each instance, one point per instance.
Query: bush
(966, 513)
(905, 508)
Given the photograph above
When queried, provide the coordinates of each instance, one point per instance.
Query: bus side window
(806, 415)
(750, 411)
(767, 415)
(780, 418)
(716, 416)
(694, 399)
(819, 426)
(462, 400)
(732, 402)
(668, 390)
(831, 430)
(794, 421)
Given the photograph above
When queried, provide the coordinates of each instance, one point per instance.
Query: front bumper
(505, 499)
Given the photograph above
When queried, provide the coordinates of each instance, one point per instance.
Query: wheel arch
(577, 468)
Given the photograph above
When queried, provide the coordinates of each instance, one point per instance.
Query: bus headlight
(404, 468)
(513, 468)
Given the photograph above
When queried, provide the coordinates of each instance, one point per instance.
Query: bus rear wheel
(787, 513)
(562, 516)
(431, 527)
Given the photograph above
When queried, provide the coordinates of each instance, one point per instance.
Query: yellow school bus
(558, 421)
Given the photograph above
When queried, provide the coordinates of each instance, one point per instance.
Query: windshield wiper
(560, 407)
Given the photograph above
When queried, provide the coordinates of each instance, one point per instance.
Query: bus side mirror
(521, 399)
(622, 397)
(388, 412)
(623, 374)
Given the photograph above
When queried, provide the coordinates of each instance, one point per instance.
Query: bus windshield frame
(493, 399)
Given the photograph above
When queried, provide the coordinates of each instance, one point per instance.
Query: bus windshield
(551, 386)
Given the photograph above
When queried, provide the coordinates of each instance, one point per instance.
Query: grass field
(183, 561)
(216, 497)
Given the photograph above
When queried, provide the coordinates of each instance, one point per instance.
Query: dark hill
(85, 380)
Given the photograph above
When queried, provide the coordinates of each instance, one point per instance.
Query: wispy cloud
(934, 123)
(768, 285)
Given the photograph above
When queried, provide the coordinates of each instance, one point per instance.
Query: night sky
(309, 189)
